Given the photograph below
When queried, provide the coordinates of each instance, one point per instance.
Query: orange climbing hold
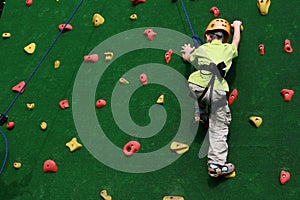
(168, 55)
(10, 125)
(100, 103)
(91, 58)
(287, 46)
(215, 10)
(287, 94)
(261, 49)
(28, 3)
(150, 33)
(136, 2)
(65, 28)
(19, 87)
(131, 147)
(64, 104)
(284, 177)
(50, 166)
(232, 96)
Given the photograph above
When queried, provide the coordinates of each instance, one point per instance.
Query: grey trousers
(219, 120)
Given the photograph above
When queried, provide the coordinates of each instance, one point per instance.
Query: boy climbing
(208, 85)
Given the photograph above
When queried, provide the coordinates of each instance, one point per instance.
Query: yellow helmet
(219, 24)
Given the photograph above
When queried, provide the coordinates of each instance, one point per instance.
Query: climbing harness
(4, 117)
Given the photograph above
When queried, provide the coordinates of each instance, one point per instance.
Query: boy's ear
(207, 37)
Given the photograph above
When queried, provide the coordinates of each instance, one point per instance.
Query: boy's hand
(186, 51)
(236, 24)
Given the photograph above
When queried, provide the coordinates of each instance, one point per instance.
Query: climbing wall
(105, 113)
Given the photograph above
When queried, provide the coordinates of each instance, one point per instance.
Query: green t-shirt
(214, 52)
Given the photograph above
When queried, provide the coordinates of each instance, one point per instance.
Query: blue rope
(31, 75)
(195, 37)
(6, 152)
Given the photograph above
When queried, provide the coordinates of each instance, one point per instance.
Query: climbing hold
(6, 35)
(215, 10)
(256, 120)
(136, 2)
(20, 87)
(263, 6)
(168, 55)
(30, 106)
(123, 81)
(17, 165)
(108, 56)
(28, 3)
(100, 103)
(287, 94)
(73, 144)
(261, 49)
(104, 195)
(91, 58)
(231, 175)
(287, 46)
(64, 104)
(56, 64)
(173, 198)
(150, 33)
(179, 148)
(160, 99)
(133, 17)
(64, 28)
(284, 177)
(30, 48)
(10, 125)
(143, 79)
(232, 96)
(97, 20)
(43, 126)
(131, 147)
(50, 166)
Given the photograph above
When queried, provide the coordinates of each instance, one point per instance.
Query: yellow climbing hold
(133, 17)
(6, 35)
(73, 145)
(108, 56)
(97, 20)
(30, 48)
(256, 120)
(104, 195)
(43, 126)
(30, 106)
(160, 99)
(179, 148)
(231, 175)
(123, 81)
(263, 6)
(17, 165)
(173, 198)
(56, 64)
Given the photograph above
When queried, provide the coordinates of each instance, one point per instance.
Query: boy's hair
(218, 34)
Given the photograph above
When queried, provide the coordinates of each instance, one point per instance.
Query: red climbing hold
(63, 104)
(144, 79)
(150, 33)
(284, 177)
(215, 10)
(50, 166)
(261, 49)
(100, 103)
(28, 3)
(232, 96)
(287, 94)
(131, 147)
(19, 87)
(68, 27)
(10, 125)
(168, 55)
(136, 2)
(91, 58)
(287, 46)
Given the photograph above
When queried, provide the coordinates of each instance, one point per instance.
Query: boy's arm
(186, 51)
(236, 33)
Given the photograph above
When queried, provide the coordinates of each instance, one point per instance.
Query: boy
(213, 60)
